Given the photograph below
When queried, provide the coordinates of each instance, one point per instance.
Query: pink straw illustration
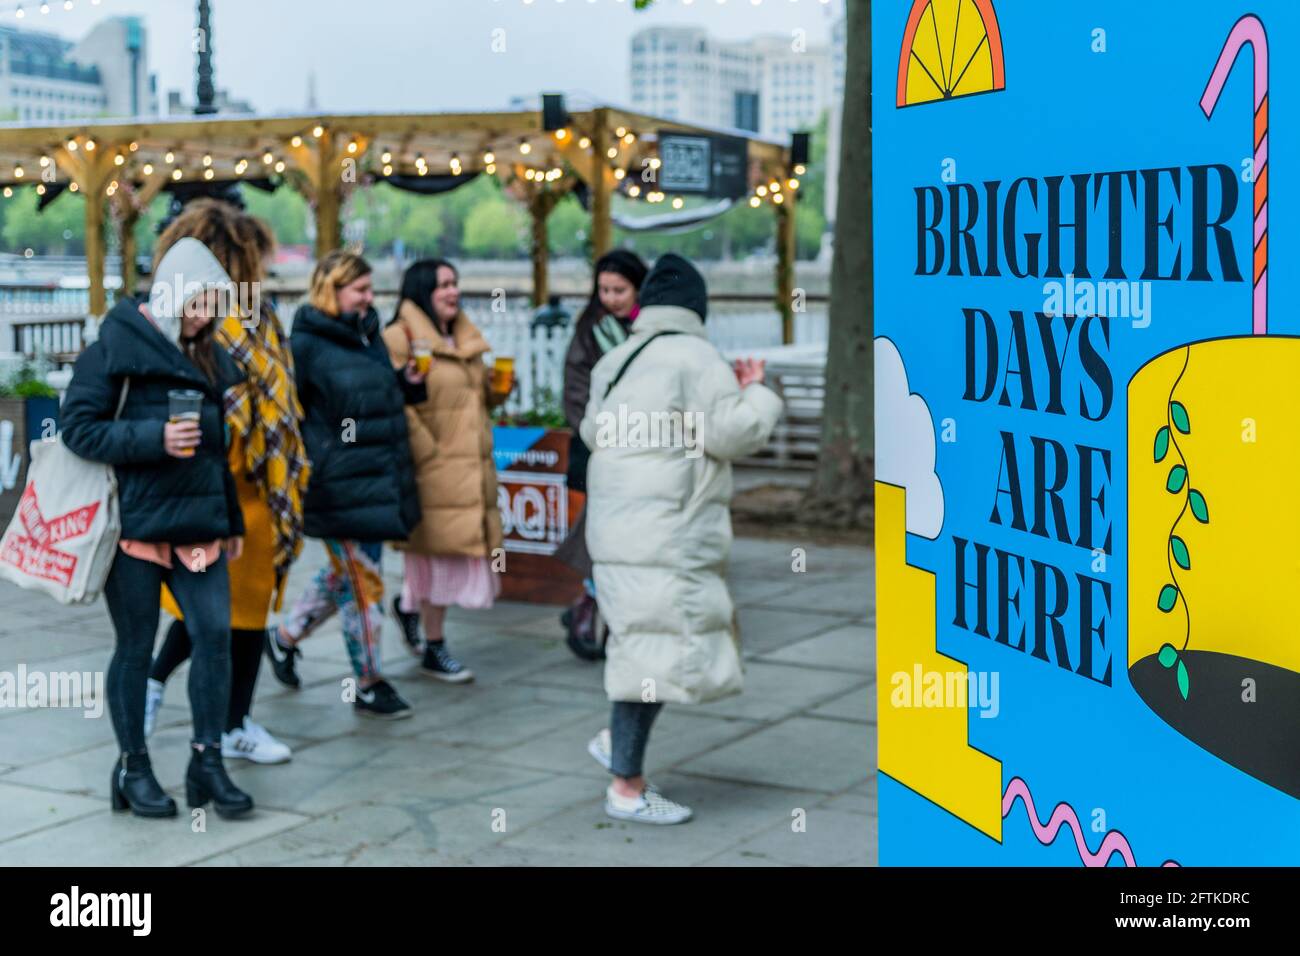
(1249, 29)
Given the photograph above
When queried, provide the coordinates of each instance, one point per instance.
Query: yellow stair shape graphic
(924, 748)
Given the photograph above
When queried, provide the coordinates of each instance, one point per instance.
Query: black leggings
(245, 661)
(133, 594)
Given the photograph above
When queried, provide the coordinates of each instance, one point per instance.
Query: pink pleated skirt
(446, 581)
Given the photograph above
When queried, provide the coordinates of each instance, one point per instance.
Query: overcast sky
(418, 54)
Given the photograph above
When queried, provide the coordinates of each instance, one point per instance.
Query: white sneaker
(650, 807)
(263, 736)
(244, 743)
(601, 749)
(153, 696)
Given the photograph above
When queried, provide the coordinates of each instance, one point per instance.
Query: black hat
(674, 281)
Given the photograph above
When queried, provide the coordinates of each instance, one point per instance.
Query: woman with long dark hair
(362, 490)
(268, 459)
(180, 514)
(447, 558)
(604, 324)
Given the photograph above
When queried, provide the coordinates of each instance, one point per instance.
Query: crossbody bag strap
(632, 358)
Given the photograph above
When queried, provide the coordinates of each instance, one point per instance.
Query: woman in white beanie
(179, 509)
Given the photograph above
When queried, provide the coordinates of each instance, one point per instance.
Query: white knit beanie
(188, 269)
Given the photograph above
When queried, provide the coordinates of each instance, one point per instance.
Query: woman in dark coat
(362, 486)
(179, 508)
(604, 324)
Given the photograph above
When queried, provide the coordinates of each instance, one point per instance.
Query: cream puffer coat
(658, 518)
(451, 439)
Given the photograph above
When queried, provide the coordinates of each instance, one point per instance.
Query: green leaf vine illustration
(1178, 482)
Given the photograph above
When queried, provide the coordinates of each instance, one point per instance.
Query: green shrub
(34, 388)
(28, 383)
(546, 413)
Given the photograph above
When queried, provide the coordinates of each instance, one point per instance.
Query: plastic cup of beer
(184, 405)
(504, 379)
(422, 352)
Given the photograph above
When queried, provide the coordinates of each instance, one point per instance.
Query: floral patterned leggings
(353, 585)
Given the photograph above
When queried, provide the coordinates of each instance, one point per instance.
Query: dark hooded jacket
(161, 498)
(362, 483)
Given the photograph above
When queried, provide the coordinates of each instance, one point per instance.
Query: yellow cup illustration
(1214, 548)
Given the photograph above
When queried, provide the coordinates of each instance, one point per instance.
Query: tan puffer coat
(451, 439)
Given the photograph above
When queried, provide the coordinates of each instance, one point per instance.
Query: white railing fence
(49, 322)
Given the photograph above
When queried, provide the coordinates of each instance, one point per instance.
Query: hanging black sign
(703, 165)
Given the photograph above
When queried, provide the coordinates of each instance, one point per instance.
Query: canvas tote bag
(63, 537)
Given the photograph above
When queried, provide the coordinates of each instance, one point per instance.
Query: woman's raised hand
(749, 371)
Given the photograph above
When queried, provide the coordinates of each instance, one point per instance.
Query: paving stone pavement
(491, 773)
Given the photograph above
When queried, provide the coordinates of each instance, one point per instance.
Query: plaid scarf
(264, 411)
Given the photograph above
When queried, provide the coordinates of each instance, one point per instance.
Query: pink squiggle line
(1063, 815)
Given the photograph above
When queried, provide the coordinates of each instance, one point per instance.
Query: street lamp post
(183, 193)
(207, 93)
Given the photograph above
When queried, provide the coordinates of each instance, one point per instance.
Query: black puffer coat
(362, 483)
(161, 498)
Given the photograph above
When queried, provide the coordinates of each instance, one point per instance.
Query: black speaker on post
(554, 113)
(800, 149)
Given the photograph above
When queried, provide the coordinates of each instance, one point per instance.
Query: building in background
(677, 73)
(794, 85)
(765, 85)
(46, 79)
(119, 49)
(38, 83)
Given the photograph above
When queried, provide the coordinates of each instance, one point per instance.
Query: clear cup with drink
(184, 405)
(422, 352)
(503, 375)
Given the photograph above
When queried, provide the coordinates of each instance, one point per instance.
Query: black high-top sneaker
(438, 663)
(409, 624)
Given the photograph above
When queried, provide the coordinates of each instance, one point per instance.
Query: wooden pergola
(607, 149)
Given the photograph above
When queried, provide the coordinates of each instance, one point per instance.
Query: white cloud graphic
(905, 442)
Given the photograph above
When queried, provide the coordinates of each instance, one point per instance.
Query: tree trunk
(841, 492)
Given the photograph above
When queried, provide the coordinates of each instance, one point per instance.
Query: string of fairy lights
(537, 161)
(532, 162)
(20, 11)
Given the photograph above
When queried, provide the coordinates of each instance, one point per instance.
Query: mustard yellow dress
(252, 576)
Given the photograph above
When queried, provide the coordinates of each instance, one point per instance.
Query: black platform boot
(135, 786)
(206, 780)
